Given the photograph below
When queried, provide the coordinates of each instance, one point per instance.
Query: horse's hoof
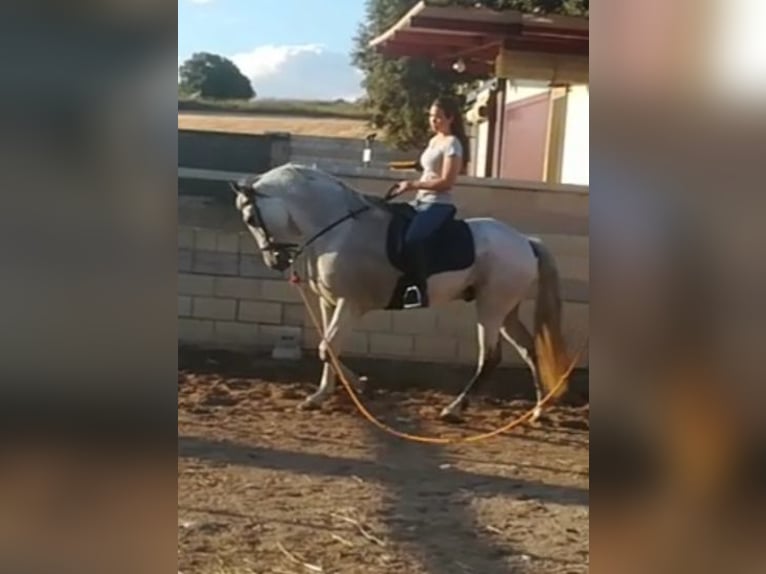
(536, 418)
(309, 405)
(361, 386)
(451, 416)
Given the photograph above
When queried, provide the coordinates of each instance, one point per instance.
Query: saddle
(450, 248)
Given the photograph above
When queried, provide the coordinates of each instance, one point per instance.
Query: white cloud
(304, 71)
(267, 60)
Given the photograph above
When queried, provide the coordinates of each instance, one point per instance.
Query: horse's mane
(356, 196)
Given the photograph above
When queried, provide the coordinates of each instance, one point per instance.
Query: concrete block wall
(227, 298)
(343, 152)
(256, 153)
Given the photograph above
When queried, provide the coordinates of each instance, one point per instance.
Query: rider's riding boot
(417, 295)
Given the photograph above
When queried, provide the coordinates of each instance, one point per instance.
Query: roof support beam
(535, 44)
(429, 37)
(497, 29)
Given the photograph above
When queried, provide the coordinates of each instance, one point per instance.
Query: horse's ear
(245, 185)
(235, 187)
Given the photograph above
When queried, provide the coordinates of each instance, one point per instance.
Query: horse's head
(288, 204)
(268, 220)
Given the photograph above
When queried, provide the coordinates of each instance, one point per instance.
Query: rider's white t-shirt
(432, 160)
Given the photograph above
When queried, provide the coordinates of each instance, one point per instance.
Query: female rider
(445, 157)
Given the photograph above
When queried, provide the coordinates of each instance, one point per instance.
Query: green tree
(562, 7)
(399, 90)
(215, 77)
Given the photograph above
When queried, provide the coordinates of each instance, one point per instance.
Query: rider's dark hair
(451, 108)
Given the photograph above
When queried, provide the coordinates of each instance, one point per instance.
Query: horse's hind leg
(519, 336)
(490, 355)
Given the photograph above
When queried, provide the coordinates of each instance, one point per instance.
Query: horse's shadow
(438, 524)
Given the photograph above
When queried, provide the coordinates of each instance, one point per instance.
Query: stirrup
(412, 294)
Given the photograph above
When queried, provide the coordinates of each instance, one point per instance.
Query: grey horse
(345, 239)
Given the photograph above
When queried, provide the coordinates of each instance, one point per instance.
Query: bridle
(287, 253)
(282, 251)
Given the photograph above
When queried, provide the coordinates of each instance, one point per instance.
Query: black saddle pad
(450, 248)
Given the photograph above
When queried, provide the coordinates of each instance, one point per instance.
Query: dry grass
(308, 108)
(254, 124)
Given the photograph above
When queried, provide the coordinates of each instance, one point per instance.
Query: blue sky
(288, 48)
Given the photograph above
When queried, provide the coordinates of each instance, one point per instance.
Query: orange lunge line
(295, 280)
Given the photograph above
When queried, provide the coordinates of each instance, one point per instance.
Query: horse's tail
(553, 361)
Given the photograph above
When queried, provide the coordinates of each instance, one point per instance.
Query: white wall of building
(576, 160)
(482, 145)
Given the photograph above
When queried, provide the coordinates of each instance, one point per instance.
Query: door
(526, 125)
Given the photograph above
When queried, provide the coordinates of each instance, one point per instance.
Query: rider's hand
(403, 187)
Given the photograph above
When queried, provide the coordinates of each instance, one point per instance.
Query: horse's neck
(348, 205)
(318, 211)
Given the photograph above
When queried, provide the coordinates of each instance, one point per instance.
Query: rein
(349, 215)
(292, 251)
(297, 251)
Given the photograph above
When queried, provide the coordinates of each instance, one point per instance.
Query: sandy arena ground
(263, 487)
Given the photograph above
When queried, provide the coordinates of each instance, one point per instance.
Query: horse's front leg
(334, 329)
